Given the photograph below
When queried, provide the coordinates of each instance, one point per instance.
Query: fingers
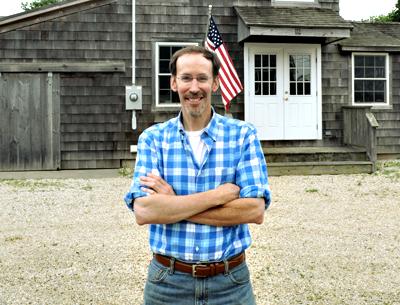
(155, 184)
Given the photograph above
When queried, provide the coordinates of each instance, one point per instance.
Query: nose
(194, 85)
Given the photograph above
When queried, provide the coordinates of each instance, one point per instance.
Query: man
(199, 179)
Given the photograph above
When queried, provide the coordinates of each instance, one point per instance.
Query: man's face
(194, 84)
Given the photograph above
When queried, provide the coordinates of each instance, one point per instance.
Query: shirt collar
(211, 129)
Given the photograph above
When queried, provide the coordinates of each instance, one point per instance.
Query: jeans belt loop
(172, 265)
(226, 265)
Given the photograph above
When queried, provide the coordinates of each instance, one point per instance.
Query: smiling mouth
(194, 99)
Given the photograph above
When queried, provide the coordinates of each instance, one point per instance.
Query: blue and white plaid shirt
(233, 155)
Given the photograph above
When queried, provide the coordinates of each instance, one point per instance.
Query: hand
(154, 184)
(228, 192)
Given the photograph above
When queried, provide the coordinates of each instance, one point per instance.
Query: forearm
(238, 211)
(164, 209)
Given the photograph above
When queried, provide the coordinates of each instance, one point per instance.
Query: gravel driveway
(325, 240)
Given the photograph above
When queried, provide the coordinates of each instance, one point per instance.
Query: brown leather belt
(201, 269)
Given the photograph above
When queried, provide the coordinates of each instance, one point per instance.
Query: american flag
(229, 80)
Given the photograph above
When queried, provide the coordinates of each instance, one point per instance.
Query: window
(165, 97)
(370, 79)
(265, 74)
(300, 74)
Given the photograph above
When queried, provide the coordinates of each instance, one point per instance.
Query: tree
(27, 6)
(393, 16)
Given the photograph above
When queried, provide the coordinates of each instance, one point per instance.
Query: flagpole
(208, 23)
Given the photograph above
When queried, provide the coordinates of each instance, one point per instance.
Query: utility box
(133, 97)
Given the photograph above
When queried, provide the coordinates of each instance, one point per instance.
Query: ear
(173, 83)
(215, 84)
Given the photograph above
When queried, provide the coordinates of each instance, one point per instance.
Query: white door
(282, 91)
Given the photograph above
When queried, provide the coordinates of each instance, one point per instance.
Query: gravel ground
(325, 240)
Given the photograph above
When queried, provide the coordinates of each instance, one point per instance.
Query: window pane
(175, 97)
(379, 85)
(307, 75)
(379, 72)
(292, 62)
(359, 97)
(164, 66)
(265, 89)
(359, 61)
(257, 88)
(292, 88)
(368, 85)
(164, 82)
(165, 52)
(300, 89)
(359, 72)
(273, 75)
(272, 61)
(265, 61)
(369, 72)
(257, 75)
(164, 97)
(257, 60)
(300, 75)
(307, 88)
(369, 61)
(359, 85)
(369, 97)
(379, 97)
(272, 89)
(265, 75)
(292, 75)
(380, 61)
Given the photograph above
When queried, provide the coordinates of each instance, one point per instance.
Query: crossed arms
(219, 207)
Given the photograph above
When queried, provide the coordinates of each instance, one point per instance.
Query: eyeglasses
(187, 79)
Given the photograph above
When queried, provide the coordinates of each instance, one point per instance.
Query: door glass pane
(272, 75)
(257, 75)
(264, 74)
(272, 89)
(265, 89)
(257, 88)
(300, 74)
(272, 61)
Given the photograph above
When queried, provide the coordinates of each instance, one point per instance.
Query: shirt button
(197, 249)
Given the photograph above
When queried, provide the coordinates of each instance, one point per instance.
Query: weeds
(125, 171)
(32, 185)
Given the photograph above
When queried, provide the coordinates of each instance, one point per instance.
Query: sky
(349, 9)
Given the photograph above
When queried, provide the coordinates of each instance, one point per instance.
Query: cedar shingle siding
(87, 49)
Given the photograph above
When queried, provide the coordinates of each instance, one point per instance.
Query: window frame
(157, 73)
(387, 79)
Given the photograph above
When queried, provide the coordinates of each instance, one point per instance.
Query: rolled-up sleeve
(251, 172)
(146, 162)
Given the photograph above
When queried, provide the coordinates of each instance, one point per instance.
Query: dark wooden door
(29, 121)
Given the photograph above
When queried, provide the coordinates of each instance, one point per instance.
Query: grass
(32, 185)
(390, 168)
(125, 171)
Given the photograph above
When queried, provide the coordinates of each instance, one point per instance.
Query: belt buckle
(194, 273)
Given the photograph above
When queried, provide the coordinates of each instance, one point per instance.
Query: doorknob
(286, 96)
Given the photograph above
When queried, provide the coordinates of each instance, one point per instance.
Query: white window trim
(386, 78)
(157, 60)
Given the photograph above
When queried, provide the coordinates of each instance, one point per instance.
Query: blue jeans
(165, 286)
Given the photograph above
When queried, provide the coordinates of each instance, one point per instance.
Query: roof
(291, 21)
(368, 36)
(49, 12)
(310, 17)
